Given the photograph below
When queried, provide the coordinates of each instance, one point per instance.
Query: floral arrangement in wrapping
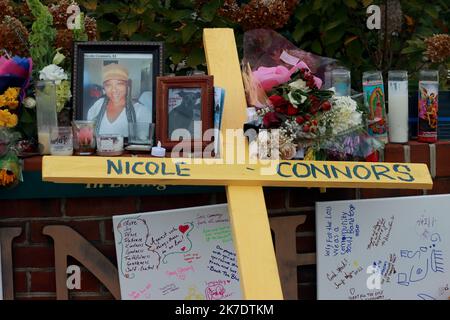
(15, 75)
(295, 116)
(40, 29)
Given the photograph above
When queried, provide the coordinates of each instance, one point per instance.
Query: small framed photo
(185, 111)
(114, 83)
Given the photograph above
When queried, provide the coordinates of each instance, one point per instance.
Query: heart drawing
(183, 248)
(183, 228)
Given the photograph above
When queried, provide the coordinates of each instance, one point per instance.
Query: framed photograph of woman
(185, 110)
(114, 83)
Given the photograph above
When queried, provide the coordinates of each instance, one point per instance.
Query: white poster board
(391, 248)
(184, 254)
(1, 276)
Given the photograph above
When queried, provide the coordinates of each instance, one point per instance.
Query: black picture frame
(112, 47)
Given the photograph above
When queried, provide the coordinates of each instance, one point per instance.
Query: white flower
(344, 115)
(299, 85)
(29, 102)
(294, 101)
(53, 72)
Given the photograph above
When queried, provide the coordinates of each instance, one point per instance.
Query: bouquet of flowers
(15, 74)
(310, 122)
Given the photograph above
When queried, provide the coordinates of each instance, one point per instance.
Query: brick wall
(33, 256)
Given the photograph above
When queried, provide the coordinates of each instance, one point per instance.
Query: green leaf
(333, 36)
(367, 3)
(209, 10)
(300, 31)
(354, 52)
(187, 32)
(129, 27)
(176, 57)
(89, 4)
(317, 5)
(351, 3)
(196, 57)
(105, 26)
(111, 7)
(26, 117)
(316, 47)
(409, 50)
(432, 12)
(333, 24)
(178, 15)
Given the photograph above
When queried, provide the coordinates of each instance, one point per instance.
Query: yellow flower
(9, 98)
(7, 119)
(12, 94)
(12, 104)
(6, 177)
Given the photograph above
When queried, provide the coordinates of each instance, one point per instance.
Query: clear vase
(45, 112)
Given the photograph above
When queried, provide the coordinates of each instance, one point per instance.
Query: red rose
(300, 119)
(326, 106)
(291, 111)
(281, 105)
(271, 120)
(277, 101)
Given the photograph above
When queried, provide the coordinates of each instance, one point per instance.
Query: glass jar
(109, 145)
(83, 137)
(341, 81)
(428, 106)
(61, 141)
(374, 102)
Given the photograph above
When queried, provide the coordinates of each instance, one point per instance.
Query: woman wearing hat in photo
(113, 112)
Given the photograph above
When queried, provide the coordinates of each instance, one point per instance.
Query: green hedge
(327, 27)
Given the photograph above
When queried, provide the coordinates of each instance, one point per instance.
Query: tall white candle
(398, 107)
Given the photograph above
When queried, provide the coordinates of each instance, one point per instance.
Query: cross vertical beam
(248, 215)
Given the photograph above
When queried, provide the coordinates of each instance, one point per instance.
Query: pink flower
(302, 65)
(271, 77)
(274, 76)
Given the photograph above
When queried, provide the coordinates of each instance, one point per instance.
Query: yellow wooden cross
(243, 180)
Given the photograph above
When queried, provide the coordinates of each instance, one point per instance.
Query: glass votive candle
(83, 137)
(61, 141)
(341, 81)
(140, 133)
(109, 145)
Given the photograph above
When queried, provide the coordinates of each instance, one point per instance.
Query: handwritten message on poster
(1, 284)
(396, 248)
(184, 254)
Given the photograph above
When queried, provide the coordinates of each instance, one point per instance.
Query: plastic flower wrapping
(293, 114)
(15, 75)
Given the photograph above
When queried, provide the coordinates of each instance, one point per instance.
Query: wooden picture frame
(142, 62)
(172, 90)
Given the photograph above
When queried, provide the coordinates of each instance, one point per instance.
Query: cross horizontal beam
(126, 170)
